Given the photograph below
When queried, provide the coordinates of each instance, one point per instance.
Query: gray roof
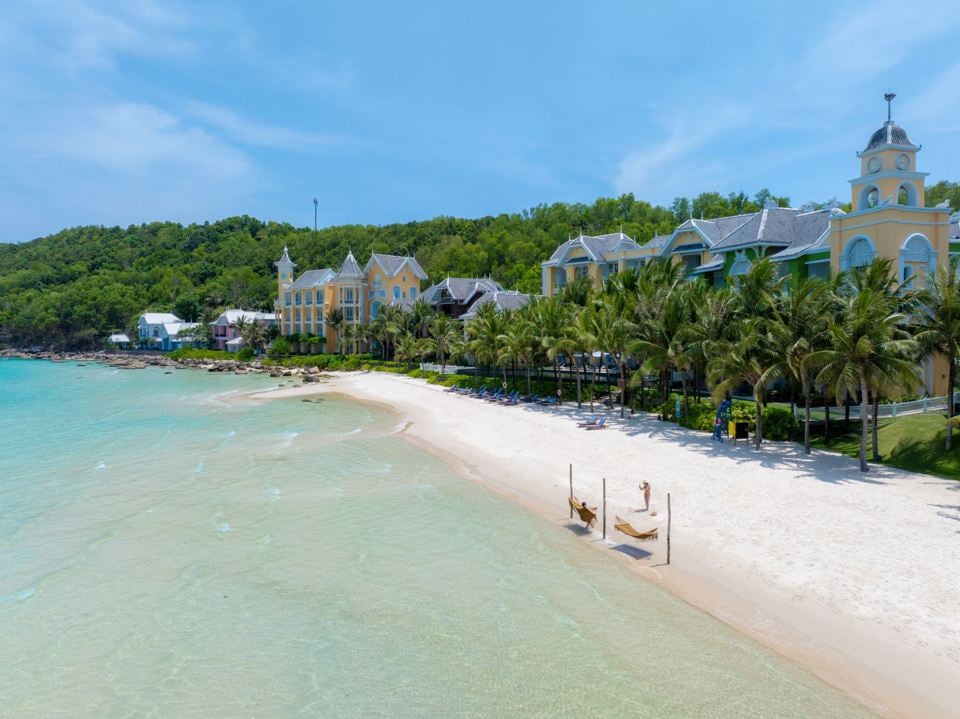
(597, 246)
(811, 233)
(657, 241)
(890, 134)
(460, 289)
(715, 263)
(955, 230)
(285, 259)
(392, 264)
(312, 278)
(503, 300)
(350, 270)
(781, 226)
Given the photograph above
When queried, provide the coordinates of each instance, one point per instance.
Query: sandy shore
(856, 577)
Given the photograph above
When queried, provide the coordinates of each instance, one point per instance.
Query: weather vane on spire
(888, 96)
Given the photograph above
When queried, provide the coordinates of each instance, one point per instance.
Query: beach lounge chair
(549, 401)
(602, 424)
(588, 423)
(587, 516)
(628, 529)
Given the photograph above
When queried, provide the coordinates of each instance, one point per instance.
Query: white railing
(884, 411)
(435, 367)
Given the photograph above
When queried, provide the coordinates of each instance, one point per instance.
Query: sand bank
(856, 577)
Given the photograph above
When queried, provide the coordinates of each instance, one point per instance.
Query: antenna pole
(889, 98)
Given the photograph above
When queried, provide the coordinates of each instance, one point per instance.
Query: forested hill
(72, 288)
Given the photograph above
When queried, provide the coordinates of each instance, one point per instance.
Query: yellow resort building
(888, 218)
(303, 302)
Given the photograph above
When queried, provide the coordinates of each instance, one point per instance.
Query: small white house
(161, 331)
(118, 339)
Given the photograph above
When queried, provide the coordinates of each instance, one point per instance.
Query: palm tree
(552, 322)
(335, 320)
(867, 350)
(665, 338)
(484, 332)
(749, 358)
(518, 343)
(444, 333)
(800, 330)
(938, 328)
(408, 348)
(879, 278)
(254, 336)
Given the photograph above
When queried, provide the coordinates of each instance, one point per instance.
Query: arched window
(917, 258)
(859, 253)
(908, 273)
(907, 195)
(869, 197)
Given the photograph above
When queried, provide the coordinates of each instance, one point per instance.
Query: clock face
(874, 164)
(903, 161)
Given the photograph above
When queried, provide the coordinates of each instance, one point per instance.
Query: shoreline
(875, 662)
(880, 660)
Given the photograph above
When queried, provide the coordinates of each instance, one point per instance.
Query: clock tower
(888, 168)
(889, 219)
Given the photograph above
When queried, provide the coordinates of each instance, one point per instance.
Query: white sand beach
(856, 577)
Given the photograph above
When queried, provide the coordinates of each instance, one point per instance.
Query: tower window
(873, 198)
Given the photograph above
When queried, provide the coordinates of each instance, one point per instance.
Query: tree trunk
(579, 404)
(950, 379)
(686, 399)
(863, 423)
(875, 427)
(623, 392)
(846, 407)
(806, 418)
(529, 390)
(758, 435)
(643, 391)
(826, 419)
(556, 368)
(593, 384)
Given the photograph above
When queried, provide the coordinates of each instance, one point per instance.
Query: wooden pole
(571, 491)
(669, 517)
(604, 507)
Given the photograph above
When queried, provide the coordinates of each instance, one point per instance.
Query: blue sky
(126, 112)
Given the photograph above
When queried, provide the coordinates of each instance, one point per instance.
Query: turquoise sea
(171, 548)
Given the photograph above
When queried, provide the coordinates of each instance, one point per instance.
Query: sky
(142, 110)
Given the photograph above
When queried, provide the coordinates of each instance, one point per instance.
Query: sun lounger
(549, 401)
(602, 424)
(587, 516)
(588, 423)
(631, 531)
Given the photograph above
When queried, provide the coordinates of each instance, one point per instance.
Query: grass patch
(914, 443)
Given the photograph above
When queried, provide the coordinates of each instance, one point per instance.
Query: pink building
(226, 334)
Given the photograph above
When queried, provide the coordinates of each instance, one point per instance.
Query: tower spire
(888, 96)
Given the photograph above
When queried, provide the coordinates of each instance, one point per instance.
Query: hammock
(587, 515)
(631, 531)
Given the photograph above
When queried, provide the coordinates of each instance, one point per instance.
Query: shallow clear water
(171, 548)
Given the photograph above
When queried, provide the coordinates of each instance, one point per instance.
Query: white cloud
(251, 133)
(78, 35)
(139, 138)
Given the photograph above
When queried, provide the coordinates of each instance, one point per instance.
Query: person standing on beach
(645, 486)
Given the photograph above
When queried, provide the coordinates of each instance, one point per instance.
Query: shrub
(280, 347)
(779, 423)
(245, 355)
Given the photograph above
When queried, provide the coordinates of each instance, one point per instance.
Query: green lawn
(914, 442)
